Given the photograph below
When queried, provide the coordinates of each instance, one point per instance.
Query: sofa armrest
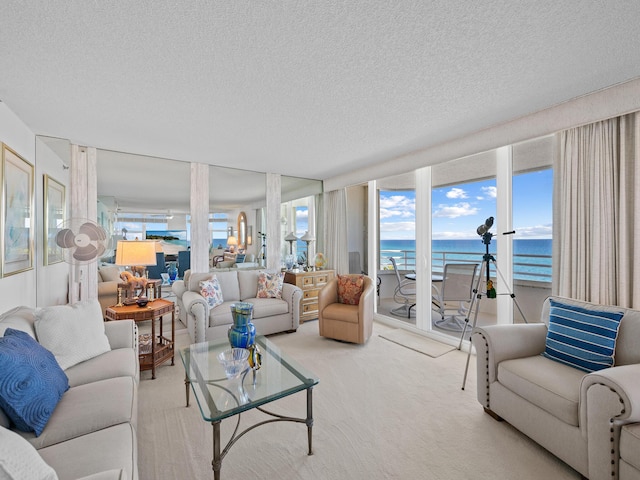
(178, 287)
(121, 333)
(496, 343)
(197, 309)
(292, 294)
(609, 399)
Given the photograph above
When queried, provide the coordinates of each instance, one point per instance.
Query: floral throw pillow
(350, 289)
(269, 285)
(210, 289)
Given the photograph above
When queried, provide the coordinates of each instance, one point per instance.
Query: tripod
(490, 291)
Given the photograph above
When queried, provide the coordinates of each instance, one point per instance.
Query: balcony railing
(536, 268)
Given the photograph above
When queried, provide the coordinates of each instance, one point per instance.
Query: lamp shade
(291, 237)
(232, 240)
(136, 253)
(307, 237)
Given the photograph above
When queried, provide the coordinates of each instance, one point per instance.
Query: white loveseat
(270, 315)
(588, 420)
(91, 433)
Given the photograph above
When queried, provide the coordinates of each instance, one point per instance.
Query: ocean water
(532, 257)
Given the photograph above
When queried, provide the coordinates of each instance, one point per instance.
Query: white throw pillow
(20, 460)
(73, 333)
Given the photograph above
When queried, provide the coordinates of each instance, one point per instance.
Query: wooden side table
(162, 348)
(311, 283)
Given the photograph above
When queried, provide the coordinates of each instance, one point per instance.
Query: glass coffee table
(219, 398)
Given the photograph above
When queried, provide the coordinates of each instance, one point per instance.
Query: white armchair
(578, 416)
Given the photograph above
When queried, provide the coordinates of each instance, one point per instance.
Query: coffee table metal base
(218, 455)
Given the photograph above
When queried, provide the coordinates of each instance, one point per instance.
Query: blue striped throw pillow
(580, 337)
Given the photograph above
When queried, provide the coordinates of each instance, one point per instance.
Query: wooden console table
(311, 283)
(162, 348)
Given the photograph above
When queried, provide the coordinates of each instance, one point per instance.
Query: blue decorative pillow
(580, 337)
(31, 381)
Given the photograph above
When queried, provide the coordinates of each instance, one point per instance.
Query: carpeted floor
(381, 411)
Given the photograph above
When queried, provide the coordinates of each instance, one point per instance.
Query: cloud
(537, 231)
(490, 191)
(397, 230)
(302, 213)
(397, 206)
(462, 209)
(457, 193)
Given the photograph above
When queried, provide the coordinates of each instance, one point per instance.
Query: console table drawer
(310, 283)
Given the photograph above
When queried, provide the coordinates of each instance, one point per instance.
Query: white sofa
(588, 420)
(92, 431)
(270, 315)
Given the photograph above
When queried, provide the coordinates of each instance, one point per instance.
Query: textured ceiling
(305, 88)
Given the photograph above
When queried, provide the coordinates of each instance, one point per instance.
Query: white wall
(41, 285)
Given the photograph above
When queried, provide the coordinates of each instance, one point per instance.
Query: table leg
(217, 461)
(153, 348)
(187, 383)
(173, 335)
(310, 418)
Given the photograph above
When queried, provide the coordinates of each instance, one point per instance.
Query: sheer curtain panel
(335, 228)
(597, 212)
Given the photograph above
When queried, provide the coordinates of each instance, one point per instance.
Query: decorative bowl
(142, 301)
(234, 361)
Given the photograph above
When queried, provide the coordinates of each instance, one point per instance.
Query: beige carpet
(381, 412)
(416, 342)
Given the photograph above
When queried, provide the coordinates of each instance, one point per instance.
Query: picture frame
(54, 218)
(16, 222)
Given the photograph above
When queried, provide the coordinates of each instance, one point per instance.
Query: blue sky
(458, 210)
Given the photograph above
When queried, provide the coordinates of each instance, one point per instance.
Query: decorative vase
(242, 334)
(172, 270)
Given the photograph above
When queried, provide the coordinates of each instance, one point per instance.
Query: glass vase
(242, 334)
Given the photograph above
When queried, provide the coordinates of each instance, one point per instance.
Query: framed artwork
(54, 217)
(17, 213)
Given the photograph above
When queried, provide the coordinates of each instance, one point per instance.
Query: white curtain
(597, 212)
(335, 231)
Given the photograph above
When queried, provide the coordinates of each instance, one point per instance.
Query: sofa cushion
(269, 285)
(120, 362)
(267, 307)
(89, 408)
(350, 289)
(630, 444)
(19, 318)
(229, 285)
(73, 333)
(221, 315)
(103, 450)
(110, 274)
(550, 385)
(19, 460)
(210, 290)
(341, 312)
(195, 279)
(581, 337)
(248, 282)
(31, 381)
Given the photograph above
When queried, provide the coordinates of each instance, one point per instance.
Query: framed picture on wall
(54, 217)
(17, 213)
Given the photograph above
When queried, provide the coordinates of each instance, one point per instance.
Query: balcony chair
(339, 317)
(404, 293)
(457, 286)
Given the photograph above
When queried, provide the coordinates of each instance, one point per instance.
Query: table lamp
(136, 254)
(232, 241)
(291, 238)
(307, 238)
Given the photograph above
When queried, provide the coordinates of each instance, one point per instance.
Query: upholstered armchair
(569, 383)
(343, 321)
